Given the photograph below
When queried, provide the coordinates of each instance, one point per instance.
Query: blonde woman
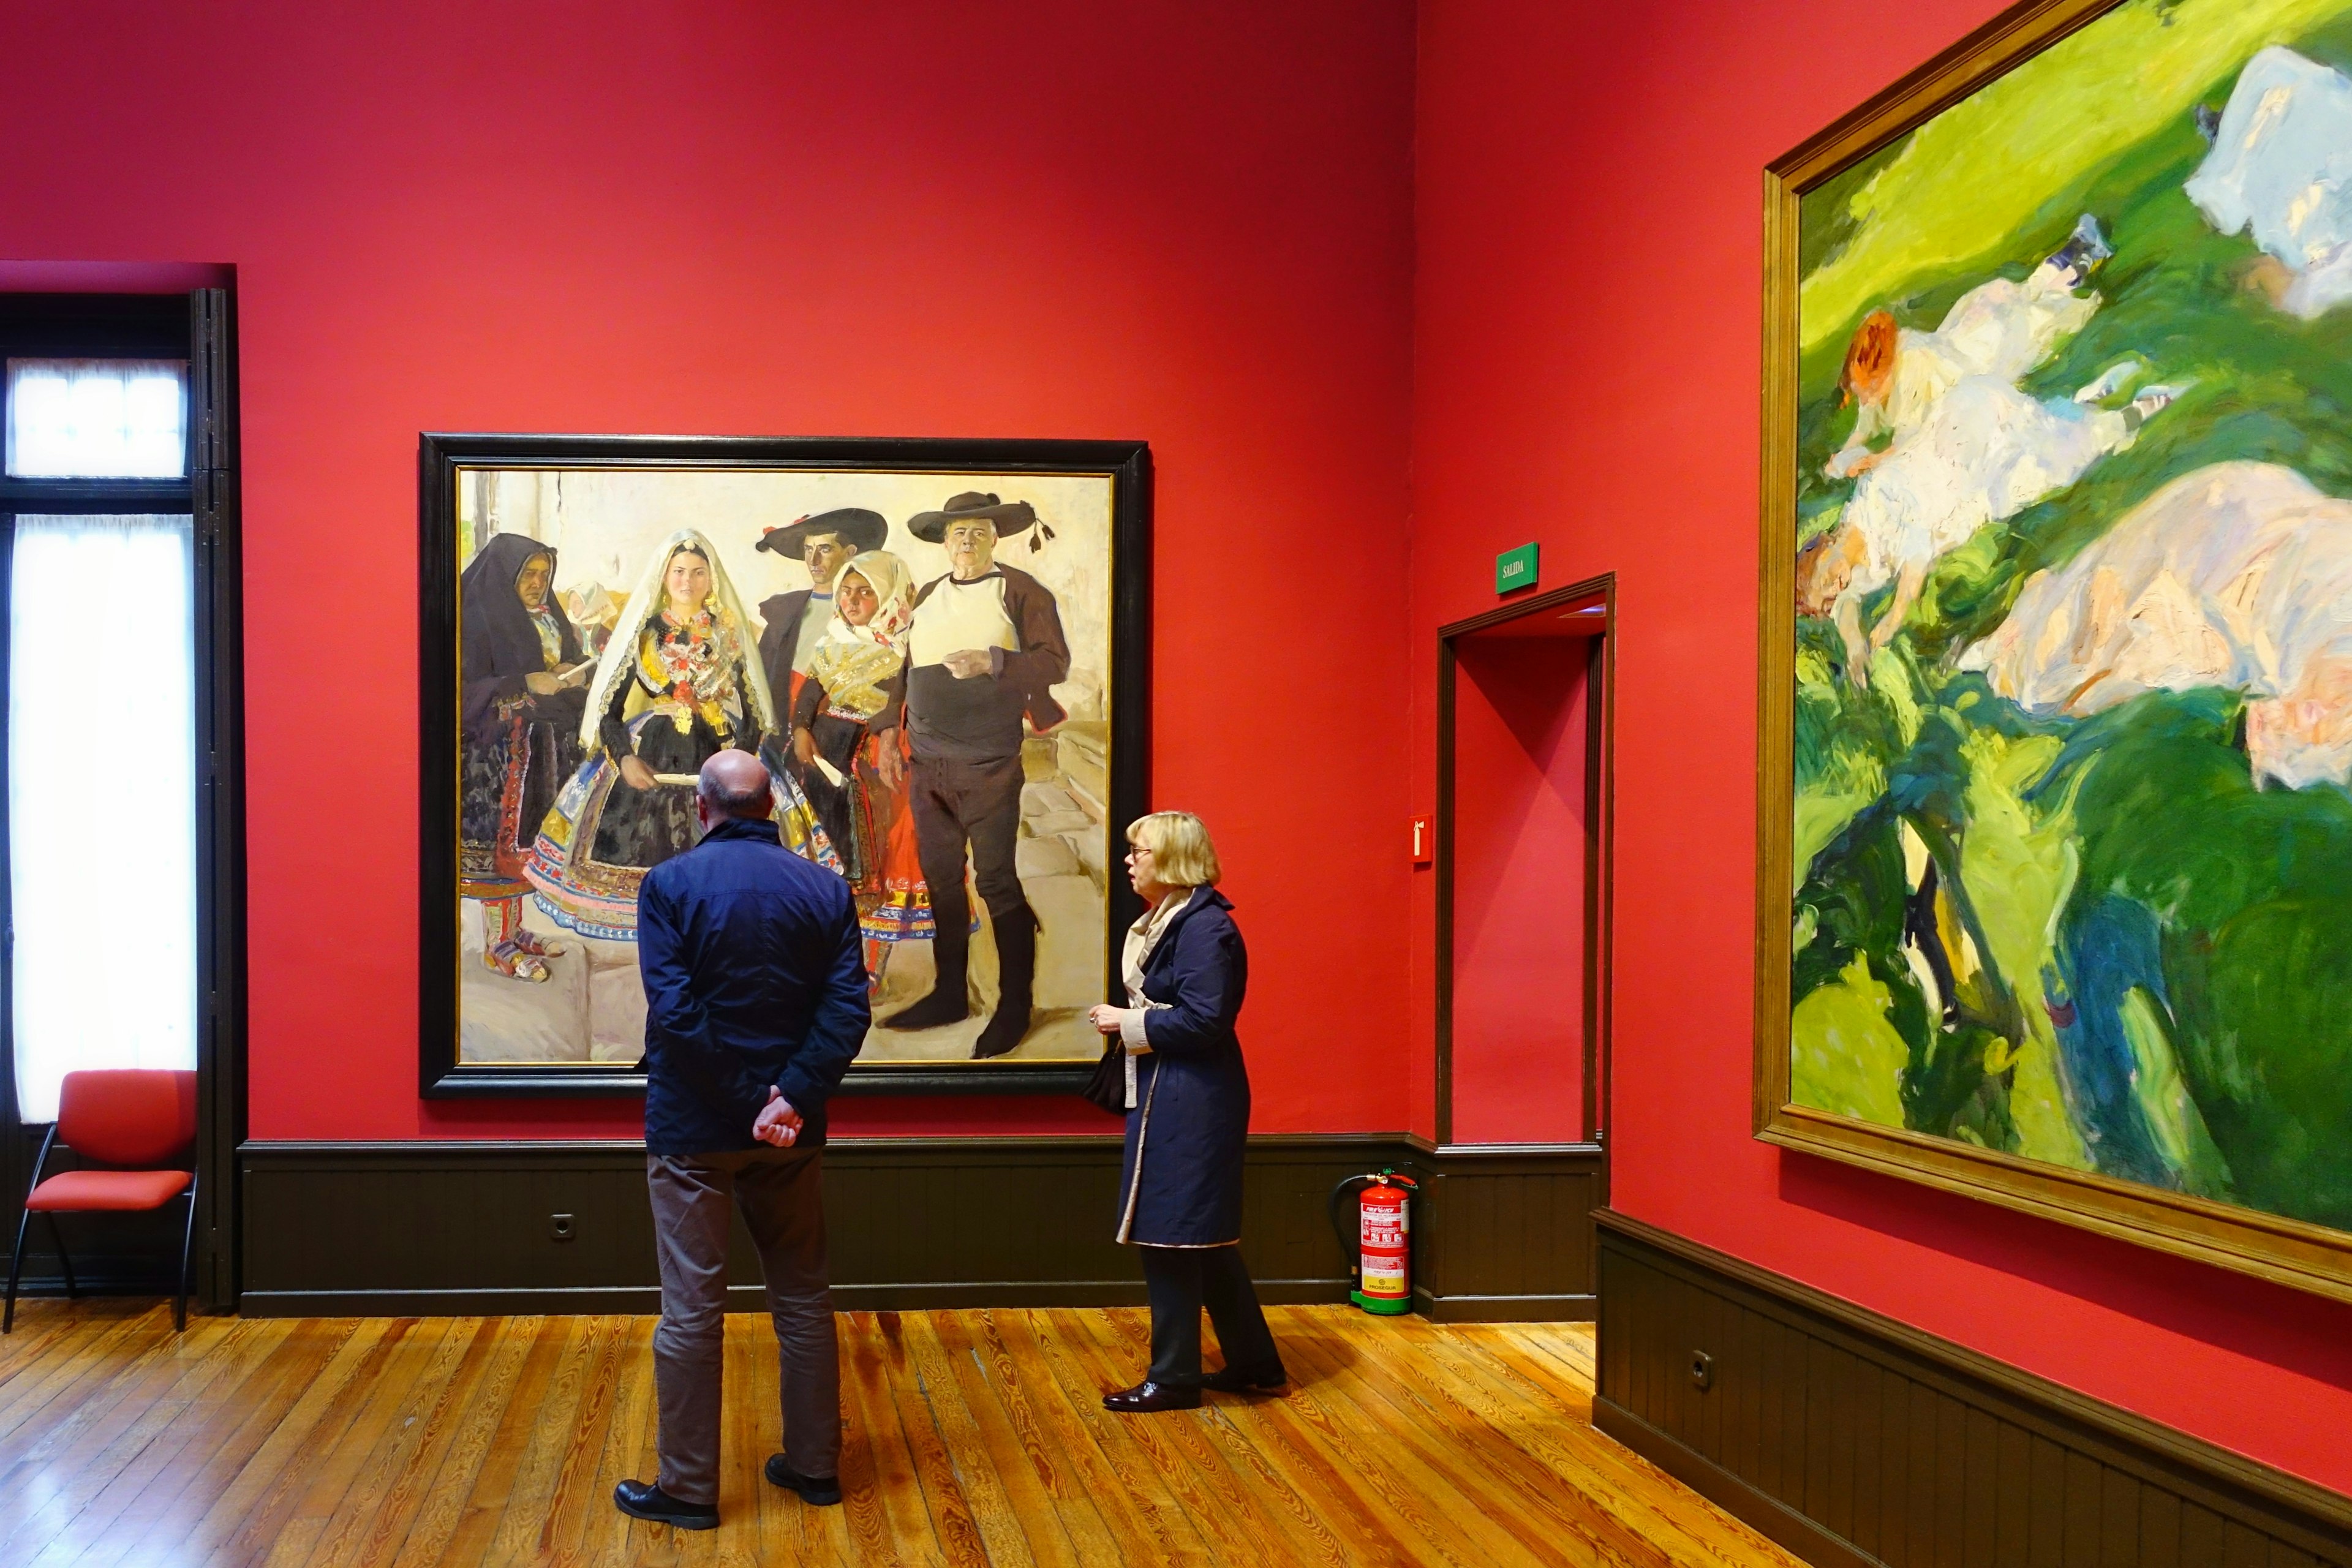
(1187, 1120)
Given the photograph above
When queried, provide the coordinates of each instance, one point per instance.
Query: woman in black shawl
(521, 675)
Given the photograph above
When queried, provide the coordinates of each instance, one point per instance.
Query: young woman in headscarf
(845, 736)
(673, 688)
(520, 669)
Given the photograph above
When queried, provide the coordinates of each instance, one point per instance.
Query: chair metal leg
(187, 1254)
(24, 1218)
(57, 1236)
(15, 1270)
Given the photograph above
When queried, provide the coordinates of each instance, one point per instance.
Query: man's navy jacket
(754, 977)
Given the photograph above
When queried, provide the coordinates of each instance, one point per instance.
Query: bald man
(755, 1003)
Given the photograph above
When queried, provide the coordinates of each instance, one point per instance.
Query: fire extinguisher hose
(1344, 1222)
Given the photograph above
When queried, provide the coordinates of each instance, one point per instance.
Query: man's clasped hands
(778, 1122)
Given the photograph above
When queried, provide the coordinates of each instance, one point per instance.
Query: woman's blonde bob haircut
(1182, 855)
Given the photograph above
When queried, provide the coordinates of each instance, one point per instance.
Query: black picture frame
(441, 457)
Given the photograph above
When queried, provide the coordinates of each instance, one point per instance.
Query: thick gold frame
(2292, 1252)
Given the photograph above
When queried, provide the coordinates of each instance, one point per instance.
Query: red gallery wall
(1189, 222)
(1589, 302)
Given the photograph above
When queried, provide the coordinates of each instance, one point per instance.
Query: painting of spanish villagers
(922, 660)
(2070, 870)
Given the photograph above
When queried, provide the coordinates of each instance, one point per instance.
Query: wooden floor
(973, 1438)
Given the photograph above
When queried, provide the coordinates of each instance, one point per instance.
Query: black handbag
(1107, 1090)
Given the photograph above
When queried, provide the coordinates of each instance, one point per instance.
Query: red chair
(128, 1116)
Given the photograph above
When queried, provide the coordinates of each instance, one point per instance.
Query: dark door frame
(198, 326)
(1601, 711)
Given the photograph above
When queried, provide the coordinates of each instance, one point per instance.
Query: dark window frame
(196, 327)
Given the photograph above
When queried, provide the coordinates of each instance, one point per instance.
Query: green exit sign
(1515, 568)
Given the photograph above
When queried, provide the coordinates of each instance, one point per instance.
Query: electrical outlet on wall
(561, 1228)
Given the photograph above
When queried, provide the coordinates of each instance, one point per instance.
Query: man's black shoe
(1004, 1031)
(822, 1491)
(1147, 1398)
(1229, 1380)
(941, 1009)
(642, 1499)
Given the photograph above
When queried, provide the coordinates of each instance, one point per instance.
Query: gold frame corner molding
(2304, 1256)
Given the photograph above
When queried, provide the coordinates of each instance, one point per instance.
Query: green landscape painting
(2073, 841)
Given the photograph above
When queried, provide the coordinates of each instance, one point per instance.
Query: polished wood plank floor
(973, 1437)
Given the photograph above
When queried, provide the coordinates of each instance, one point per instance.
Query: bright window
(103, 837)
(98, 419)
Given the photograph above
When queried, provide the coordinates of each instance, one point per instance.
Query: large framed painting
(939, 649)
(2055, 886)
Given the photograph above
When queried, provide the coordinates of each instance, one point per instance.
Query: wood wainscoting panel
(418, 1227)
(346, 1230)
(471, 1228)
(1505, 1232)
(1854, 1439)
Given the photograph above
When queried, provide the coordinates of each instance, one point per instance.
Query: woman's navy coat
(1182, 1181)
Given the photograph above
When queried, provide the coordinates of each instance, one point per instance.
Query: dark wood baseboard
(440, 1228)
(103, 1276)
(1439, 1309)
(1766, 1513)
(1854, 1440)
(647, 1299)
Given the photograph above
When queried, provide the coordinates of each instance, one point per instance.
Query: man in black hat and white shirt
(985, 651)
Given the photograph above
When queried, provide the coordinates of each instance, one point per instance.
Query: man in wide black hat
(985, 650)
(825, 543)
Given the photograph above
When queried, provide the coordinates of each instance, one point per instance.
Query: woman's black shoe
(642, 1499)
(1227, 1379)
(820, 1491)
(1147, 1398)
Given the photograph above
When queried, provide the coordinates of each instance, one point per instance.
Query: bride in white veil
(673, 687)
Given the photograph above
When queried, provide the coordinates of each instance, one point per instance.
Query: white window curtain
(102, 798)
(93, 418)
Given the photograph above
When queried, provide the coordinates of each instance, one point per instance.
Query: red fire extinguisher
(1382, 1242)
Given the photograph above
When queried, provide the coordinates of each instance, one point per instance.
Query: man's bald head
(735, 785)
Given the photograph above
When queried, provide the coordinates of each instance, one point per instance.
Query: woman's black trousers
(1181, 1280)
